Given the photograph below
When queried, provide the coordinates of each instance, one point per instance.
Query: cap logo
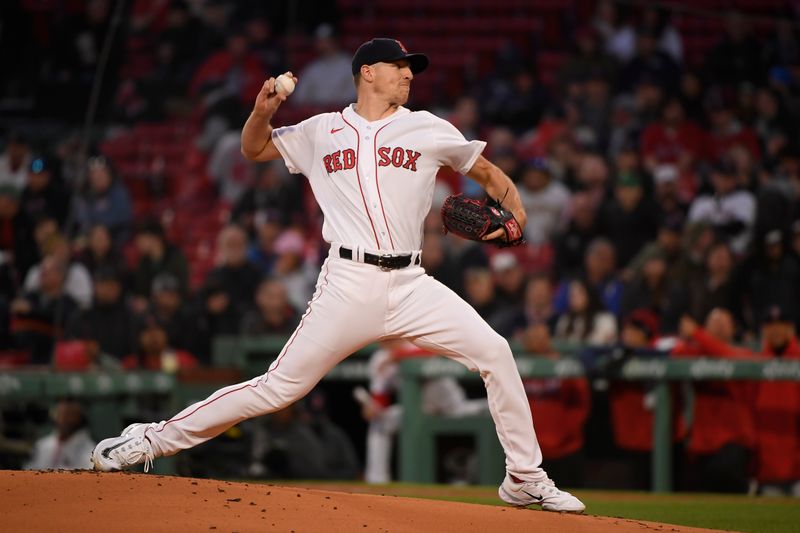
(403, 48)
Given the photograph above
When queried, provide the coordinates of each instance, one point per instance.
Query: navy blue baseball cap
(387, 50)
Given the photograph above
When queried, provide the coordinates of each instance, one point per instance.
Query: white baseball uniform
(374, 182)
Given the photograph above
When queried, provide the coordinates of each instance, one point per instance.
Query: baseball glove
(473, 219)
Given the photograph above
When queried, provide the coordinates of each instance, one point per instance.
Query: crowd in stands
(661, 196)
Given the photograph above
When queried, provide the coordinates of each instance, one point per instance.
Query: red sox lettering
(397, 157)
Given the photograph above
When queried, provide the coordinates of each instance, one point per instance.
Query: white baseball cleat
(129, 449)
(544, 493)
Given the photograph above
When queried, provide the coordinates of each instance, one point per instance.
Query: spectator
(561, 407)
(774, 276)
(630, 220)
(723, 433)
(69, 446)
(438, 262)
(326, 81)
(611, 23)
(479, 291)
(105, 202)
(108, 323)
(656, 21)
(716, 287)
(509, 280)
(632, 403)
(667, 245)
(231, 172)
(727, 131)
(772, 125)
(777, 413)
(16, 241)
(585, 321)
(167, 307)
(217, 315)
(730, 210)
(572, 244)
(155, 353)
(78, 283)
(672, 196)
(650, 289)
(38, 316)
(649, 63)
(599, 273)
(229, 76)
(674, 140)
(285, 446)
(736, 59)
(14, 162)
(290, 269)
(100, 253)
(44, 194)
(517, 102)
(156, 256)
(537, 308)
(271, 198)
(339, 454)
(262, 253)
(546, 200)
(265, 45)
(588, 56)
(273, 315)
(235, 274)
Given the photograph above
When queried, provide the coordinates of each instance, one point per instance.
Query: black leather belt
(385, 262)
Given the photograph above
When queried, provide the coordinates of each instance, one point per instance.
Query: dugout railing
(114, 395)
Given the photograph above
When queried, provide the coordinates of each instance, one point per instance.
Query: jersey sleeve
(452, 149)
(296, 145)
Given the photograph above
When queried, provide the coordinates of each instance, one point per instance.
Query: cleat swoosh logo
(334, 130)
(537, 498)
(105, 453)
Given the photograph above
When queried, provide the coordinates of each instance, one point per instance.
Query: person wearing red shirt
(778, 411)
(632, 403)
(154, 352)
(722, 435)
(674, 140)
(727, 132)
(560, 408)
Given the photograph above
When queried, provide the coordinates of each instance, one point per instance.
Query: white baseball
(284, 84)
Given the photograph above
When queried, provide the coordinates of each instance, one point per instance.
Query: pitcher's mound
(87, 502)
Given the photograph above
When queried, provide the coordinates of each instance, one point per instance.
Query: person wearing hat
(777, 409)
(773, 275)
(325, 80)
(44, 194)
(156, 256)
(731, 210)
(630, 220)
(547, 200)
(372, 168)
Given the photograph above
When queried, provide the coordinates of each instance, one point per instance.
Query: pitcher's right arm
(257, 142)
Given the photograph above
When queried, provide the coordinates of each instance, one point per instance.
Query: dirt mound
(87, 502)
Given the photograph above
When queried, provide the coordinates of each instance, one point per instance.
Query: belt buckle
(381, 263)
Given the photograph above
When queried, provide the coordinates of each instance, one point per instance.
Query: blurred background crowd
(654, 146)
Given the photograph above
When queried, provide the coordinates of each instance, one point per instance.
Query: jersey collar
(351, 116)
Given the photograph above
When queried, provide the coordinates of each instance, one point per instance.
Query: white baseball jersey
(374, 180)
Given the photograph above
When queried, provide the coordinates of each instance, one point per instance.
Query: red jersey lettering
(411, 160)
(349, 158)
(398, 154)
(383, 152)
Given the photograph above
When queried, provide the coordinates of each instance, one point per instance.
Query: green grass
(713, 511)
